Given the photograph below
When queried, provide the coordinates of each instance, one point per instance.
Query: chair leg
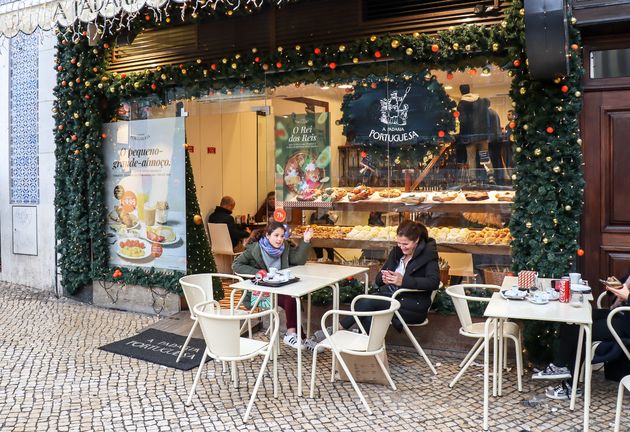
(519, 361)
(313, 370)
(190, 333)
(257, 385)
(234, 374)
(194, 386)
(472, 350)
(468, 363)
(384, 369)
(618, 409)
(332, 369)
(275, 372)
(415, 343)
(352, 381)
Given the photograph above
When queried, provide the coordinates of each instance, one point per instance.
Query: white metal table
(499, 310)
(313, 277)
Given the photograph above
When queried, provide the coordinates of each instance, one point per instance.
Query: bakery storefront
(352, 136)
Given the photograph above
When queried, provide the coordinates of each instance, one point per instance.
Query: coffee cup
(272, 271)
(575, 278)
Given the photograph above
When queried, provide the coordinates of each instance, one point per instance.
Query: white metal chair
(222, 249)
(460, 264)
(511, 330)
(224, 343)
(359, 344)
(198, 289)
(406, 326)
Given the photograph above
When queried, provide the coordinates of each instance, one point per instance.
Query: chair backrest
(460, 264)
(380, 320)
(198, 288)
(222, 332)
(220, 239)
(460, 303)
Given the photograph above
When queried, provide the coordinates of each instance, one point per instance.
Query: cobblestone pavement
(54, 378)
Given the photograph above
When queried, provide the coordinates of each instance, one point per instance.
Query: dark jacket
(422, 274)
(223, 215)
(250, 261)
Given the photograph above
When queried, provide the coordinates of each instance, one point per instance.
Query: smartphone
(608, 285)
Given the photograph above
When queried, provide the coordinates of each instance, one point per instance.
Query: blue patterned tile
(24, 119)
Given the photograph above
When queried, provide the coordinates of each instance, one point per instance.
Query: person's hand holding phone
(621, 292)
(390, 277)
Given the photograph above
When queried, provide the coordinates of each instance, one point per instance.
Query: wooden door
(606, 220)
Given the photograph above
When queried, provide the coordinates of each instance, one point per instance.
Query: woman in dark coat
(413, 264)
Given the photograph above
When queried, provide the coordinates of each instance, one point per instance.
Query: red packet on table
(527, 279)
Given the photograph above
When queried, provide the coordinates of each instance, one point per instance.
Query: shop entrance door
(606, 220)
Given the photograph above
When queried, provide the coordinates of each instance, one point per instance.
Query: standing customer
(412, 264)
(268, 248)
(223, 214)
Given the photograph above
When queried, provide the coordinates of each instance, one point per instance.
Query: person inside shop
(474, 130)
(566, 349)
(268, 248)
(322, 217)
(223, 214)
(267, 208)
(412, 264)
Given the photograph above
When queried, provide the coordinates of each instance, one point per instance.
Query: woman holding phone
(412, 264)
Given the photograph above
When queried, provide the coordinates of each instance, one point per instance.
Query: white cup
(272, 271)
(575, 278)
(288, 274)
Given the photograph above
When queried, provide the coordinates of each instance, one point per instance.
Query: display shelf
(442, 247)
(425, 207)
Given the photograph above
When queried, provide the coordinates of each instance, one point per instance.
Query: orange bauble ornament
(197, 219)
(580, 252)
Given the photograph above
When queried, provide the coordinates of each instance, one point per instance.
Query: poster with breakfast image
(146, 193)
(302, 157)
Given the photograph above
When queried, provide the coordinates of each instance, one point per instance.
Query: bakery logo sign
(403, 114)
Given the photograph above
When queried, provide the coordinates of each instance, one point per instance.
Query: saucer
(539, 301)
(513, 295)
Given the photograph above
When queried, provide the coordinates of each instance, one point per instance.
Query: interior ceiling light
(344, 86)
(448, 87)
(325, 87)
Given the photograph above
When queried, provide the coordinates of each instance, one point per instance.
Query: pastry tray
(278, 284)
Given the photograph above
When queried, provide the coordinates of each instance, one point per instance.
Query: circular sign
(279, 215)
(128, 201)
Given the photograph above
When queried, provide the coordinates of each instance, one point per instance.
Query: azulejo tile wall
(24, 120)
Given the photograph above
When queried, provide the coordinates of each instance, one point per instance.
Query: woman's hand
(308, 235)
(392, 278)
(622, 292)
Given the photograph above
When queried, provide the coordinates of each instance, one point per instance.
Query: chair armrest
(614, 332)
(345, 313)
(600, 298)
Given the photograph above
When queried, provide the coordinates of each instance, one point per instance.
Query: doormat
(161, 348)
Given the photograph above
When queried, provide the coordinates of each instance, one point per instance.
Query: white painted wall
(35, 271)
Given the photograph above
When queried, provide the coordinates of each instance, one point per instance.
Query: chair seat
(476, 330)
(250, 346)
(347, 341)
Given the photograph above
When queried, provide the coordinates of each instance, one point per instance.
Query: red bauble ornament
(106, 45)
(472, 72)
(147, 18)
(332, 65)
(317, 51)
(123, 75)
(441, 134)
(78, 80)
(279, 65)
(104, 135)
(213, 66)
(564, 88)
(516, 63)
(95, 70)
(456, 114)
(435, 48)
(363, 154)
(549, 130)
(59, 68)
(153, 87)
(64, 83)
(87, 97)
(76, 152)
(580, 252)
(575, 47)
(73, 60)
(449, 76)
(60, 127)
(373, 85)
(512, 125)
(181, 65)
(377, 54)
(257, 59)
(117, 274)
(74, 137)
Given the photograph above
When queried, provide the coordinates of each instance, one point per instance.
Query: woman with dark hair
(267, 208)
(268, 248)
(412, 264)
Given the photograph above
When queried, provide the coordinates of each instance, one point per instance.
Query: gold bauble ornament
(521, 12)
(528, 225)
(525, 127)
(355, 60)
(545, 240)
(555, 221)
(237, 56)
(71, 84)
(504, 24)
(557, 80)
(137, 84)
(372, 38)
(75, 115)
(163, 76)
(522, 90)
(197, 219)
(342, 48)
(495, 47)
(518, 149)
(416, 34)
(512, 138)
(397, 161)
(395, 43)
(567, 208)
(87, 146)
(579, 141)
(573, 20)
(100, 85)
(310, 63)
(198, 61)
(537, 152)
(559, 108)
(513, 176)
(224, 60)
(409, 51)
(578, 93)
(467, 47)
(548, 159)
(87, 84)
(510, 73)
(254, 50)
(234, 65)
(513, 104)
(265, 67)
(455, 46)
(556, 169)
(87, 124)
(69, 103)
(280, 49)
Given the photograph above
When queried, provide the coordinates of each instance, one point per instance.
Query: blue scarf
(269, 249)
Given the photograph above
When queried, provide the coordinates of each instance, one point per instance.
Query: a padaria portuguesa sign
(397, 113)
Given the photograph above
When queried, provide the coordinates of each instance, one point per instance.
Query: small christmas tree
(198, 253)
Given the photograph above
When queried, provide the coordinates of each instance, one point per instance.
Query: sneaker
(562, 391)
(311, 345)
(319, 335)
(553, 372)
(291, 340)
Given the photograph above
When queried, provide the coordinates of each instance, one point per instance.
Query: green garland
(549, 183)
